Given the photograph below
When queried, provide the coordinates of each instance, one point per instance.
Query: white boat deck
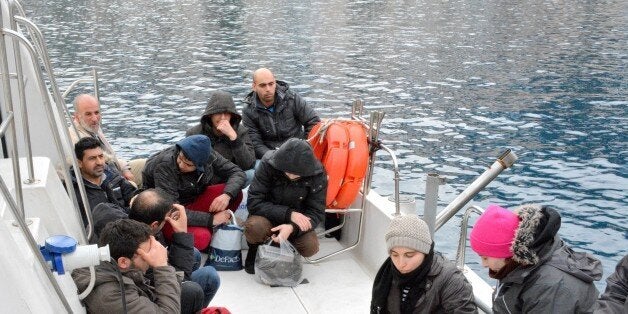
(336, 285)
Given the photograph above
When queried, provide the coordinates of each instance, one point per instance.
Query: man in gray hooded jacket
(286, 200)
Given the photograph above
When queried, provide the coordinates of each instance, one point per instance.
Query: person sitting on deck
(154, 208)
(415, 278)
(536, 270)
(133, 251)
(194, 175)
(221, 123)
(86, 123)
(286, 197)
(100, 187)
(273, 113)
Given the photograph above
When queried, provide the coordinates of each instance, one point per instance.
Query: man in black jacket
(273, 113)
(189, 172)
(154, 208)
(100, 186)
(286, 200)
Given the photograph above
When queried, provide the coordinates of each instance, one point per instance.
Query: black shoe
(249, 263)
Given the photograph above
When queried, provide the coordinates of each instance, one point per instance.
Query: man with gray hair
(87, 117)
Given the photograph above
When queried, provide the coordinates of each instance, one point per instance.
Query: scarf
(411, 285)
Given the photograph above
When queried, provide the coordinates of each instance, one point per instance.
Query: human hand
(221, 217)
(224, 126)
(127, 174)
(304, 222)
(177, 218)
(220, 203)
(284, 231)
(156, 256)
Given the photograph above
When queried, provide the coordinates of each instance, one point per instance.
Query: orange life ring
(331, 146)
(342, 148)
(357, 163)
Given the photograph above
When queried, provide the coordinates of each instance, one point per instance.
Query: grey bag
(278, 266)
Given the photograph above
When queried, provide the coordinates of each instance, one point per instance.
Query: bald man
(273, 113)
(87, 118)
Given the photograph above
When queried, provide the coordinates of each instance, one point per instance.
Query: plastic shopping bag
(225, 250)
(278, 266)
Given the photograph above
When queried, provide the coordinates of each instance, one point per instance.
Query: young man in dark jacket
(188, 172)
(153, 208)
(221, 123)
(273, 113)
(537, 271)
(100, 186)
(133, 250)
(286, 200)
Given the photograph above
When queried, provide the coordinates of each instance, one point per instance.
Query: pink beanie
(494, 232)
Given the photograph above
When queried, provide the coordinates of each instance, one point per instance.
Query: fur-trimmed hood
(538, 226)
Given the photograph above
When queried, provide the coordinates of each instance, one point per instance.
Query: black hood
(220, 102)
(297, 157)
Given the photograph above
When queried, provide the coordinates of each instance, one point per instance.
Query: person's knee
(309, 249)
(192, 297)
(257, 229)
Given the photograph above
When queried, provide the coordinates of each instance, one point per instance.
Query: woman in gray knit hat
(416, 280)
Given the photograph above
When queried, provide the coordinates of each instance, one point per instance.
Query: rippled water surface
(459, 82)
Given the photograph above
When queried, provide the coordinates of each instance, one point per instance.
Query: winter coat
(161, 171)
(291, 117)
(615, 297)
(274, 196)
(446, 291)
(240, 151)
(113, 189)
(552, 278)
(140, 297)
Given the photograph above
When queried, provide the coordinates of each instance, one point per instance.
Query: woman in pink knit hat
(536, 271)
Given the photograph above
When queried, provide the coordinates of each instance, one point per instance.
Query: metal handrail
(56, 137)
(462, 242)
(61, 109)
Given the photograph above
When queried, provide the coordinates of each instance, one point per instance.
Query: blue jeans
(206, 276)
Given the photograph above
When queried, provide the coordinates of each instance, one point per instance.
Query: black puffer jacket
(274, 196)
(240, 151)
(292, 117)
(161, 171)
(114, 189)
(552, 278)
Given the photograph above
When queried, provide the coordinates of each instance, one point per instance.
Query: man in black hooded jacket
(221, 123)
(286, 200)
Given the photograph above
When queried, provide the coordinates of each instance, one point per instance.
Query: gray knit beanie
(409, 231)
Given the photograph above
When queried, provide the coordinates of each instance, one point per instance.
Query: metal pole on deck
(505, 160)
(433, 181)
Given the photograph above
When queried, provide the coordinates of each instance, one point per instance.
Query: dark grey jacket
(446, 291)
(615, 297)
(292, 117)
(140, 297)
(114, 189)
(274, 196)
(552, 278)
(240, 151)
(161, 171)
